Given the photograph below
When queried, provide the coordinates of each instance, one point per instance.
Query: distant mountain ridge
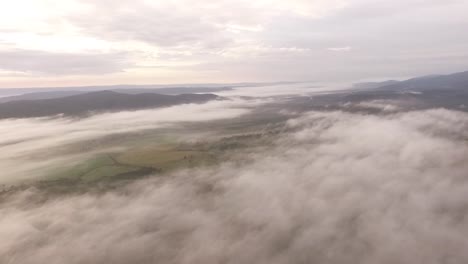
(456, 81)
(102, 101)
(371, 85)
(40, 95)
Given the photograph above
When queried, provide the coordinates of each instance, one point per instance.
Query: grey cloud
(380, 49)
(368, 9)
(322, 196)
(40, 62)
(389, 39)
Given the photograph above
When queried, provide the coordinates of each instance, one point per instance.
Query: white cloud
(340, 49)
(25, 142)
(34, 62)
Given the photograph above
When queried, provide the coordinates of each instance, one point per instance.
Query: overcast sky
(92, 42)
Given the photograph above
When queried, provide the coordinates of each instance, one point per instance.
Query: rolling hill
(456, 81)
(102, 101)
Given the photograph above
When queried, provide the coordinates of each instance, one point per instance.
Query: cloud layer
(337, 188)
(31, 147)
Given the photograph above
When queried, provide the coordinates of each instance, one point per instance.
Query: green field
(165, 158)
(132, 163)
(150, 153)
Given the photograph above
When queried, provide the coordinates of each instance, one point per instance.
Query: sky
(46, 43)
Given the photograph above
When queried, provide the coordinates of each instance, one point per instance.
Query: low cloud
(24, 142)
(338, 188)
(281, 89)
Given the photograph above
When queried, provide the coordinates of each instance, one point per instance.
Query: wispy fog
(339, 188)
(24, 142)
(284, 89)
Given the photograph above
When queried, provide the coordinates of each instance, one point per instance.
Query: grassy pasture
(165, 158)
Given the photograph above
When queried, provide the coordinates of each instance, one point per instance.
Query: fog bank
(26, 142)
(339, 188)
